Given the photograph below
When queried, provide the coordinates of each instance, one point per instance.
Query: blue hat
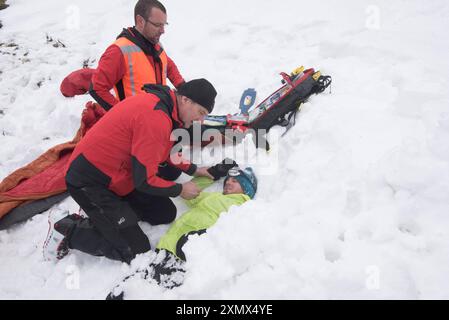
(246, 178)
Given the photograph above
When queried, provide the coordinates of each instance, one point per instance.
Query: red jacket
(112, 68)
(130, 141)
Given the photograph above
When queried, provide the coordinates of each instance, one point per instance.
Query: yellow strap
(316, 75)
(297, 71)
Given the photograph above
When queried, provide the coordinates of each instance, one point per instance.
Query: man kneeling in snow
(113, 173)
(167, 266)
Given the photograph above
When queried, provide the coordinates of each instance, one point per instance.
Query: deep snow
(354, 203)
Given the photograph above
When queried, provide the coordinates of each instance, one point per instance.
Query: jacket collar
(139, 40)
(168, 102)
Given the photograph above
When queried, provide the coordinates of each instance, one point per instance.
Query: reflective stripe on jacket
(139, 70)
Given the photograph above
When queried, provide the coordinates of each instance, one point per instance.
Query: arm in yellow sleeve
(202, 183)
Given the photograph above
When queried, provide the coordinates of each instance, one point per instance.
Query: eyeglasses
(158, 25)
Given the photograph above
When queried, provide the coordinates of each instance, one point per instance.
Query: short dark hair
(143, 8)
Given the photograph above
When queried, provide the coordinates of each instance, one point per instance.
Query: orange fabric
(139, 69)
(44, 176)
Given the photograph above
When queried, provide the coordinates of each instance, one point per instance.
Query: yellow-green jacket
(204, 212)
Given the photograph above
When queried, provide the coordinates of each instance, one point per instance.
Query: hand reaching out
(203, 172)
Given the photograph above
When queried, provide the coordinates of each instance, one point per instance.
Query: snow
(354, 201)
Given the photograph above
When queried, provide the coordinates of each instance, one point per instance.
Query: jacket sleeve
(111, 68)
(150, 141)
(173, 73)
(176, 160)
(202, 183)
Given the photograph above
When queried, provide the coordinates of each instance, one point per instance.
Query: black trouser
(112, 229)
(183, 240)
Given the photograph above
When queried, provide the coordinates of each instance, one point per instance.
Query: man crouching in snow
(167, 266)
(113, 173)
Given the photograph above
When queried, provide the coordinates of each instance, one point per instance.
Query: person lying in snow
(167, 266)
(239, 186)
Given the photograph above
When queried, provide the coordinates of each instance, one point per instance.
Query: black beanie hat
(200, 91)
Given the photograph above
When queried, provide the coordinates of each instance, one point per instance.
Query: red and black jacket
(112, 69)
(125, 147)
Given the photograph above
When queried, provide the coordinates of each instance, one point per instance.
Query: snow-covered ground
(357, 205)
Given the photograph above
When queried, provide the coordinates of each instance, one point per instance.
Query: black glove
(221, 169)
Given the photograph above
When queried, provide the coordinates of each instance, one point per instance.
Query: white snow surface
(356, 202)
